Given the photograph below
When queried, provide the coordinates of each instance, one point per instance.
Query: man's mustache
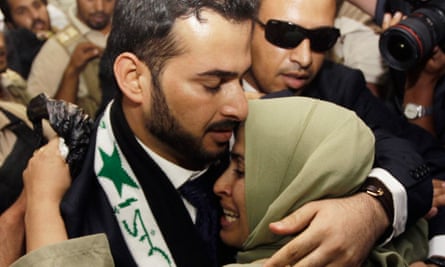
(100, 13)
(223, 125)
(37, 21)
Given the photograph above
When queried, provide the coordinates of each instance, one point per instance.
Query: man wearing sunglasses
(289, 42)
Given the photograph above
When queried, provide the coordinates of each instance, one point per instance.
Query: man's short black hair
(143, 27)
(6, 10)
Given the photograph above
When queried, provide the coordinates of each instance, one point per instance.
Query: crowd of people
(225, 133)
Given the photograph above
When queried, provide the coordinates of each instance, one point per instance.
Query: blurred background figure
(28, 24)
(12, 85)
(358, 46)
(64, 5)
(72, 57)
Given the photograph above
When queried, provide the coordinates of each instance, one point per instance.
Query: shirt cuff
(399, 197)
(437, 246)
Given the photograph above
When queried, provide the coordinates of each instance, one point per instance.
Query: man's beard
(98, 26)
(162, 124)
(37, 21)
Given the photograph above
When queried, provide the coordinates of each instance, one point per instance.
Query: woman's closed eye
(239, 173)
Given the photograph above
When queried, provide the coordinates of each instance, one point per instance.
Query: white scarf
(133, 214)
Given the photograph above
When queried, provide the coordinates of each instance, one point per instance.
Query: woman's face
(230, 188)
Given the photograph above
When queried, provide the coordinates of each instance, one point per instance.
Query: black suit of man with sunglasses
(288, 52)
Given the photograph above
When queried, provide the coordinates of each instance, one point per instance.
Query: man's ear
(128, 70)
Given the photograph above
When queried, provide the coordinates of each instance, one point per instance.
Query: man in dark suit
(288, 45)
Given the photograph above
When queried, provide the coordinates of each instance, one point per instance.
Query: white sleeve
(399, 197)
(437, 246)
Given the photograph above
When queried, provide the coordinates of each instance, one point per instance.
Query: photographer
(413, 47)
(418, 81)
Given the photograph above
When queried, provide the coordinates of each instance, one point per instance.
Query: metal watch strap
(414, 111)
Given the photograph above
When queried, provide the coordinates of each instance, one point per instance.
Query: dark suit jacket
(408, 152)
(86, 209)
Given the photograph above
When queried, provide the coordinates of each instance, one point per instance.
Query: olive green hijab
(298, 150)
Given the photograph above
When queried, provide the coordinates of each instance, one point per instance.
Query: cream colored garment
(358, 47)
(90, 250)
(13, 87)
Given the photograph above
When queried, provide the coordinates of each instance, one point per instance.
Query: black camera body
(411, 42)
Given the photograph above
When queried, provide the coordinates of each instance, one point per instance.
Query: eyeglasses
(288, 35)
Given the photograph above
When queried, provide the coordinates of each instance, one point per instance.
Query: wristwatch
(376, 189)
(439, 261)
(414, 111)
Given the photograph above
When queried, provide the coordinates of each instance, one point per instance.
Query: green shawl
(298, 150)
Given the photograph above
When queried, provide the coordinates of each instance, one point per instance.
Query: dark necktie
(199, 192)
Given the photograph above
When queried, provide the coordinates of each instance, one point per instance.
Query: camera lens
(405, 45)
(399, 48)
(402, 50)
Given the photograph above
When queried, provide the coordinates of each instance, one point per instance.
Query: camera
(410, 42)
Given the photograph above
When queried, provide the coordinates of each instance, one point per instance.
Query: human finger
(49, 149)
(335, 246)
(293, 252)
(398, 16)
(301, 245)
(439, 193)
(83, 53)
(386, 21)
(390, 20)
(439, 201)
(431, 213)
(295, 222)
(47, 174)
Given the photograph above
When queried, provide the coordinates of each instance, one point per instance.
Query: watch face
(411, 111)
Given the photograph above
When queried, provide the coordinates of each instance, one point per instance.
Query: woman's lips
(228, 217)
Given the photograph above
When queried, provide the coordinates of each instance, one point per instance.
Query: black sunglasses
(288, 35)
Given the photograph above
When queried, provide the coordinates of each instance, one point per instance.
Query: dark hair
(143, 27)
(6, 10)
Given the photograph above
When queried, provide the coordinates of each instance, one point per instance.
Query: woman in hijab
(291, 151)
